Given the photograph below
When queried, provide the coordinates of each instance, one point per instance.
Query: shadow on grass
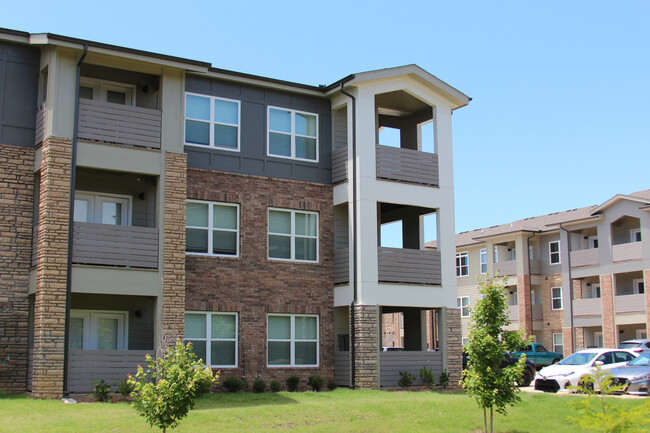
(246, 399)
(4, 396)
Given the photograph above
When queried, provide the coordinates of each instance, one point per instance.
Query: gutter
(73, 182)
(529, 276)
(568, 261)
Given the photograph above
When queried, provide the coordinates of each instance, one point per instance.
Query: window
(211, 121)
(465, 341)
(496, 254)
(212, 228)
(292, 134)
(635, 235)
(558, 343)
(107, 91)
(483, 255)
(98, 330)
(292, 340)
(556, 298)
(639, 286)
(293, 235)
(462, 264)
(463, 304)
(554, 252)
(623, 357)
(214, 337)
(102, 208)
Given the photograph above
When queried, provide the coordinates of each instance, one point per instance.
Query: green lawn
(336, 411)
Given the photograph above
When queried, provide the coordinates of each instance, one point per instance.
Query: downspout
(354, 234)
(568, 261)
(529, 276)
(73, 182)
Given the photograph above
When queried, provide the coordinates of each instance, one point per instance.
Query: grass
(341, 411)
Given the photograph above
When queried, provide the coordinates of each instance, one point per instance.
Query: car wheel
(526, 378)
(556, 360)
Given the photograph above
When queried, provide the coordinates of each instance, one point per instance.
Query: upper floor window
(554, 252)
(213, 337)
(293, 134)
(463, 303)
(639, 286)
(462, 264)
(292, 340)
(293, 235)
(107, 91)
(212, 228)
(483, 254)
(635, 235)
(211, 121)
(556, 298)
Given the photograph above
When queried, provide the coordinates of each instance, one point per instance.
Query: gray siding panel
(340, 165)
(87, 366)
(341, 265)
(630, 303)
(342, 368)
(391, 363)
(587, 307)
(407, 165)
(629, 251)
(409, 266)
(252, 158)
(584, 258)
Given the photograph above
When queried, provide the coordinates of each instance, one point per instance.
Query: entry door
(98, 330)
(598, 339)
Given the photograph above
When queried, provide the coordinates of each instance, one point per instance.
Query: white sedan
(569, 371)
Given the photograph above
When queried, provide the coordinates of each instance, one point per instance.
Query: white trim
(554, 298)
(91, 327)
(210, 229)
(561, 344)
(292, 340)
(208, 336)
(459, 304)
(551, 252)
(637, 283)
(211, 123)
(292, 235)
(633, 234)
(465, 341)
(481, 254)
(459, 267)
(293, 134)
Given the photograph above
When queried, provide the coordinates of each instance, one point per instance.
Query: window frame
(212, 122)
(633, 235)
(292, 235)
(211, 229)
(292, 340)
(638, 284)
(483, 255)
(90, 328)
(101, 88)
(208, 336)
(551, 253)
(95, 200)
(459, 304)
(561, 344)
(293, 134)
(459, 267)
(554, 298)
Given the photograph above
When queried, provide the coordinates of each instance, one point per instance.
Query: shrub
(275, 386)
(165, 391)
(259, 386)
(315, 382)
(234, 384)
(406, 379)
(427, 377)
(100, 390)
(244, 384)
(444, 379)
(292, 383)
(124, 387)
(331, 385)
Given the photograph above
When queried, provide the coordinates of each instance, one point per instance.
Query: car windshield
(641, 361)
(579, 358)
(629, 345)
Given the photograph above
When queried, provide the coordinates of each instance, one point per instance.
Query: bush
(444, 379)
(124, 387)
(292, 383)
(275, 386)
(315, 382)
(405, 379)
(165, 392)
(100, 390)
(259, 386)
(331, 385)
(244, 384)
(427, 377)
(234, 384)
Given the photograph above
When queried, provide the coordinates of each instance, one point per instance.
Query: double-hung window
(213, 337)
(554, 252)
(463, 304)
(558, 343)
(462, 264)
(292, 134)
(556, 298)
(292, 340)
(212, 228)
(483, 255)
(211, 121)
(293, 235)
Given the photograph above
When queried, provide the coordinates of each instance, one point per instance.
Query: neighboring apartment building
(234, 211)
(575, 279)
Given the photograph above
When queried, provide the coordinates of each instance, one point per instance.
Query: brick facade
(646, 283)
(252, 285)
(51, 268)
(524, 304)
(567, 341)
(607, 299)
(366, 346)
(16, 207)
(553, 320)
(454, 346)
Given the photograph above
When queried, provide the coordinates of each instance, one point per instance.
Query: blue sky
(560, 115)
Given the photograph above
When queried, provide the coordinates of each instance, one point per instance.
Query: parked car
(569, 371)
(635, 376)
(539, 355)
(392, 349)
(638, 346)
(529, 369)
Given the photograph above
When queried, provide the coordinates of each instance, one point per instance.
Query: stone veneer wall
(366, 346)
(16, 208)
(454, 347)
(51, 267)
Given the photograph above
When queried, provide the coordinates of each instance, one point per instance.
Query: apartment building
(574, 279)
(148, 198)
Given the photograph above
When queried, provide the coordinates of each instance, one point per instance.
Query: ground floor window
(98, 330)
(558, 343)
(292, 340)
(214, 337)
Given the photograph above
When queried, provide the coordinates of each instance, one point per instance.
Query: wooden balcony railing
(587, 307)
(587, 257)
(398, 265)
(625, 252)
(340, 165)
(407, 165)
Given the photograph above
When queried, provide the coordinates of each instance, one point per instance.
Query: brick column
(366, 346)
(567, 341)
(580, 338)
(607, 299)
(51, 269)
(16, 208)
(646, 282)
(173, 302)
(524, 304)
(454, 347)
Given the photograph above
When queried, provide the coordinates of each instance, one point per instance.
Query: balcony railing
(39, 132)
(409, 266)
(536, 267)
(537, 312)
(513, 312)
(104, 244)
(630, 251)
(113, 366)
(340, 165)
(588, 257)
(341, 265)
(114, 123)
(391, 363)
(630, 303)
(407, 165)
(587, 307)
(508, 267)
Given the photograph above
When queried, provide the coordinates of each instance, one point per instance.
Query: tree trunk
(485, 419)
(491, 420)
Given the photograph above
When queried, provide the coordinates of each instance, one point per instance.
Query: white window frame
(101, 88)
(633, 235)
(483, 255)
(292, 235)
(460, 266)
(553, 298)
(636, 283)
(212, 122)
(208, 336)
(464, 306)
(599, 341)
(293, 134)
(90, 326)
(292, 340)
(95, 201)
(551, 253)
(561, 344)
(641, 334)
(465, 341)
(211, 229)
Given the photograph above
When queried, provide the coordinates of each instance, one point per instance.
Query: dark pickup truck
(539, 355)
(529, 369)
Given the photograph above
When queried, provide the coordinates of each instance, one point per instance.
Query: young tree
(487, 378)
(165, 392)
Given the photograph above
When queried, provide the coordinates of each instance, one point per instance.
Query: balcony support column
(366, 346)
(607, 299)
(524, 304)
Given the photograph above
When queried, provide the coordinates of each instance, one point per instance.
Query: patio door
(98, 330)
(102, 208)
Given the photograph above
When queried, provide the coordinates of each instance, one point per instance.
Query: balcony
(630, 303)
(537, 312)
(407, 165)
(340, 165)
(508, 267)
(513, 313)
(587, 307)
(341, 266)
(629, 251)
(41, 120)
(115, 123)
(397, 265)
(588, 257)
